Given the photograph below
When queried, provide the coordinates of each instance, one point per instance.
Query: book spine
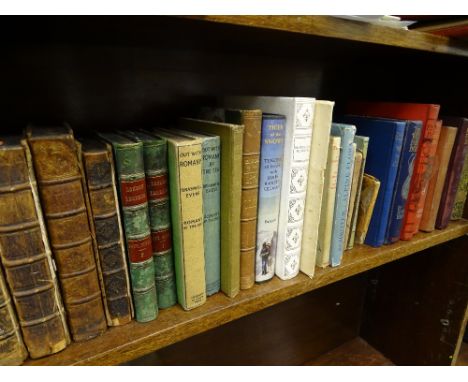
(211, 213)
(186, 190)
(328, 204)
(462, 191)
(62, 198)
(271, 170)
(315, 184)
(252, 121)
(12, 349)
(405, 171)
(370, 190)
(453, 176)
(26, 257)
(379, 220)
(419, 181)
(343, 189)
(102, 192)
(294, 190)
(352, 194)
(155, 159)
(129, 160)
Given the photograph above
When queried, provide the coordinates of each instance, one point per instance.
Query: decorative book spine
(436, 183)
(26, 257)
(271, 170)
(252, 121)
(99, 168)
(405, 172)
(185, 184)
(298, 138)
(352, 195)
(362, 143)
(12, 349)
(134, 204)
(343, 189)
(328, 203)
(316, 184)
(459, 153)
(62, 198)
(460, 197)
(369, 193)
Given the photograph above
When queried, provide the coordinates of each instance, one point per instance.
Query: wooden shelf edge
(122, 344)
(332, 27)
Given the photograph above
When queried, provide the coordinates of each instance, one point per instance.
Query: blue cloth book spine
(383, 158)
(271, 170)
(403, 179)
(343, 188)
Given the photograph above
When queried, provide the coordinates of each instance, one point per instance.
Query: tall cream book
(319, 152)
(352, 197)
(328, 203)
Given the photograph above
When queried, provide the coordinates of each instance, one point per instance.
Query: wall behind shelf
(103, 72)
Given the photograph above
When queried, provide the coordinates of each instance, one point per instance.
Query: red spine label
(140, 250)
(157, 187)
(162, 240)
(133, 192)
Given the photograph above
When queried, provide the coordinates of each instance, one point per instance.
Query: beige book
(328, 203)
(352, 198)
(316, 187)
(369, 192)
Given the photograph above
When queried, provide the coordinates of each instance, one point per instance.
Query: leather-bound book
(454, 170)
(59, 177)
(104, 211)
(369, 193)
(460, 197)
(439, 172)
(12, 349)
(25, 253)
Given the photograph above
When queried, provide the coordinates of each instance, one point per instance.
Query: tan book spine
(12, 349)
(369, 192)
(437, 181)
(352, 197)
(328, 203)
(61, 190)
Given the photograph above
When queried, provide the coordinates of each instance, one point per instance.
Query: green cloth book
(231, 136)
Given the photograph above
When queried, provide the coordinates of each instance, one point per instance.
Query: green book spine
(155, 159)
(134, 204)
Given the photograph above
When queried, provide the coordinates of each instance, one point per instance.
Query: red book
(428, 114)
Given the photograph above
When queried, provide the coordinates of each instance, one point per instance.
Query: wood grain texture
(326, 26)
(463, 356)
(134, 340)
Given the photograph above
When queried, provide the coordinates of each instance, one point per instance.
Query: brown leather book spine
(106, 224)
(25, 254)
(252, 121)
(12, 349)
(60, 187)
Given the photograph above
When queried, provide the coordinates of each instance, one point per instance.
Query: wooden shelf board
(121, 344)
(327, 26)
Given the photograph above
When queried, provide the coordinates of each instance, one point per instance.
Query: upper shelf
(127, 342)
(327, 26)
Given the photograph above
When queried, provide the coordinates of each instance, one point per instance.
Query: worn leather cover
(104, 211)
(12, 349)
(369, 192)
(25, 253)
(460, 197)
(59, 178)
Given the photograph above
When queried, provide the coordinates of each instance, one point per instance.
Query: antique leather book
(129, 163)
(460, 197)
(369, 192)
(457, 158)
(59, 177)
(252, 121)
(104, 211)
(25, 253)
(436, 183)
(12, 349)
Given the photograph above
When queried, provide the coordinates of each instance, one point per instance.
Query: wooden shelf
(326, 26)
(133, 340)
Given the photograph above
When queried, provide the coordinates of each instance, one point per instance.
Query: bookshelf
(104, 72)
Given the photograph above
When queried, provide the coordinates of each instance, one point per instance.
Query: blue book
(383, 159)
(269, 193)
(343, 189)
(403, 179)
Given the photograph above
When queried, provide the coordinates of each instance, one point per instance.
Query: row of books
(138, 220)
